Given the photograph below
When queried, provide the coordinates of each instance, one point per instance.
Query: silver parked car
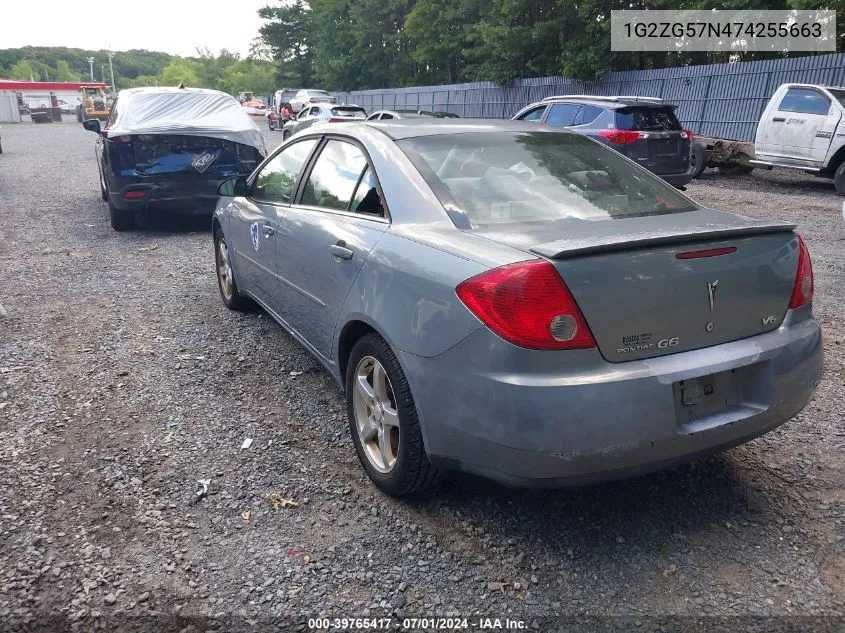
(323, 113)
(519, 301)
(308, 97)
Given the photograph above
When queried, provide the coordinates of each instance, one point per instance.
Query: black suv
(644, 129)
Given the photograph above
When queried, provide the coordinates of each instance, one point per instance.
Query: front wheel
(383, 420)
(104, 191)
(226, 283)
(285, 135)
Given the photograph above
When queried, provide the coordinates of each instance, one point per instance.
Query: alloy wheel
(224, 270)
(376, 415)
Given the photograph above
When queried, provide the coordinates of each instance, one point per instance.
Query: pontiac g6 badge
(711, 291)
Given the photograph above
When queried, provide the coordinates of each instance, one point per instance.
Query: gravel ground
(124, 381)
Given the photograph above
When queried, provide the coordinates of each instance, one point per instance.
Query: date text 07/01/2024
(416, 624)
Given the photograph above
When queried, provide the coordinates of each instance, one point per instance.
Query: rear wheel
(120, 219)
(383, 420)
(839, 179)
(270, 125)
(698, 160)
(104, 190)
(285, 135)
(229, 292)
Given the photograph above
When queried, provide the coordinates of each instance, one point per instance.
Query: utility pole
(103, 73)
(91, 63)
(111, 69)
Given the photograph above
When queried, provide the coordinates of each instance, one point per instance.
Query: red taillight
(687, 134)
(620, 137)
(802, 291)
(336, 119)
(527, 304)
(134, 195)
(312, 100)
(334, 99)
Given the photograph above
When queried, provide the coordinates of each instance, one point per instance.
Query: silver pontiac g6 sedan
(519, 301)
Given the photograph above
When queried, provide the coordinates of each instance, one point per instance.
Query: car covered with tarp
(169, 149)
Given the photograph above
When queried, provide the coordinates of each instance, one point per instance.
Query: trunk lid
(648, 290)
(191, 156)
(662, 147)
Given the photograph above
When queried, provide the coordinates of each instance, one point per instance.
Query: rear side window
(277, 178)
(533, 115)
(587, 115)
(335, 176)
(366, 198)
(562, 114)
(660, 119)
(386, 116)
(805, 101)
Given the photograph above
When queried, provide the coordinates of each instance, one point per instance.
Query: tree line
(360, 44)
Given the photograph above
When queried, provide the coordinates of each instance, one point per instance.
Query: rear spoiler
(582, 245)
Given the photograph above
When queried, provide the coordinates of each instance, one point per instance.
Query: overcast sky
(173, 26)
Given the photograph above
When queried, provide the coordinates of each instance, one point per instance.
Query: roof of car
(169, 90)
(608, 101)
(398, 129)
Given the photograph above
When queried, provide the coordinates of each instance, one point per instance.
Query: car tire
(120, 219)
(839, 179)
(271, 126)
(104, 190)
(226, 284)
(394, 456)
(698, 160)
(285, 135)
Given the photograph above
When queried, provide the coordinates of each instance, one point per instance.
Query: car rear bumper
(567, 418)
(182, 197)
(677, 180)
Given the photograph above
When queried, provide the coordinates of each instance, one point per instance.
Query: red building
(38, 94)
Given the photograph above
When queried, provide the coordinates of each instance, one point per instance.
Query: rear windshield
(662, 119)
(349, 111)
(495, 178)
(319, 93)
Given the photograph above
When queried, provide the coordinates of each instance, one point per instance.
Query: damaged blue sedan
(169, 149)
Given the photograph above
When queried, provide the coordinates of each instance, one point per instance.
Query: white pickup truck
(802, 127)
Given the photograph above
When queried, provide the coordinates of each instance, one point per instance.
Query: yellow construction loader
(94, 104)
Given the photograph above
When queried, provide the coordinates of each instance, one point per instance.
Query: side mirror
(234, 187)
(92, 125)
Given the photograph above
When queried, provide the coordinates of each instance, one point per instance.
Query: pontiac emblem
(711, 291)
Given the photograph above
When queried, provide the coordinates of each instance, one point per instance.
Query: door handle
(268, 230)
(778, 119)
(340, 250)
